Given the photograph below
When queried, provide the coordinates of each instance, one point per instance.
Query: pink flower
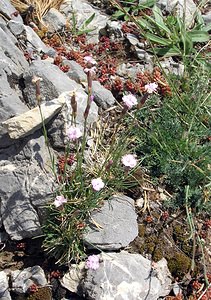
(60, 200)
(97, 184)
(93, 262)
(129, 160)
(90, 60)
(74, 133)
(129, 100)
(151, 87)
(91, 70)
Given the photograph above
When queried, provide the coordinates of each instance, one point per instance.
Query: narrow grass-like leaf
(158, 40)
(159, 19)
(166, 51)
(159, 25)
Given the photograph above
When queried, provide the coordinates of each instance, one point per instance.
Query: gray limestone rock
(34, 42)
(16, 28)
(54, 20)
(25, 186)
(4, 287)
(76, 72)
(132, 39)
(124, 276)
(23, 279)
(57, 128)
(102, 96)
(10, 56)
(28, 122)
(54, 82)
(83, 11)
(10, 103)
(170, 66)
(7, 9)
(180, 7)
(113, 30)
(118, 224)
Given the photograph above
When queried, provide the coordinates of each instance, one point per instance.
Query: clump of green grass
(86, 176)
(174, 137)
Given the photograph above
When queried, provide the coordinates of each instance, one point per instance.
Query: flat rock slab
(117, 221)
(125, 276)
(30, 121)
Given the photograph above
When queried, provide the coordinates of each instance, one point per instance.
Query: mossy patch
(179, 264)
(43, 293)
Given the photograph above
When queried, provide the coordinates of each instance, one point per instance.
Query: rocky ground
(147, 251)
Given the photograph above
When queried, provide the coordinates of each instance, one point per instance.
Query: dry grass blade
(41, 7)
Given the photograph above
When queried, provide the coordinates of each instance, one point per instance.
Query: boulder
(117, 222)
(25, 186)
(23, 279)
(83, 11)
(54, 82)
(28, 122)
(123, 276)
(181, 8)
(16, 28)
(57, 128)
(10, 104)
(34, 42)
(102, 96)
(76, 72)
(54, 20)
(8, 10)
(11, 57)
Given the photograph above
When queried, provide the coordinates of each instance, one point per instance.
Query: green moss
(179, 264)
(42, 294)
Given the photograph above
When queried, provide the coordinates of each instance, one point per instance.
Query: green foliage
(174, 137)
(84, 27)
(168, 35)
(66, 224)
(171, 32)
(131, 7)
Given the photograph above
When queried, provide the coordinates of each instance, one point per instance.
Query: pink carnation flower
(90, 60)
(74, 133)
(129, 100)
(151, 87)
(60, 200)
(91, 70)
(129, 160)
(97, 184)
(93, 262)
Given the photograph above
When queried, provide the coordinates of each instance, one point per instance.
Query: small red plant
(55, 274)
(149, 219)
(165, 215)
(21, 246)
(196, 285)
(62, 161)
(33, 288)
(64, 68)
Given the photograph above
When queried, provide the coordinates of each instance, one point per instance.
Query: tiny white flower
(97, 184)
(151, 87)
(74, 133)
(60, 200)
(129, 160)
(129, 100)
